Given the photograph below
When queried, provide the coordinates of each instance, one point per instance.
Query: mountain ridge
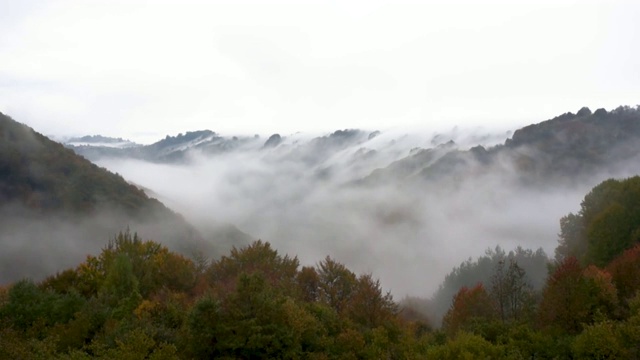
(562, 148)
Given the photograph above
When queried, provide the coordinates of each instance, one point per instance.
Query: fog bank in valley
(308, 198)
(37, 244)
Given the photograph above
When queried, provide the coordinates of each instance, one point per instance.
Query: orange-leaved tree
(574, 297)
(625, 272)
(469, 304)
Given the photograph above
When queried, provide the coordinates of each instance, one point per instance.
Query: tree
(257, 258)
(134, 344)
(625, 272)
(630, 328)
(251, 322)
(153, 265)
(90, 276)
(575, 297)
(337, 284)
(522, 341)
(571, 240)
(510, 291)
(609, 234)
(120, 288)
(308, 282)
(27, 305)
(204, 325)
(468, 305)
(608, 223)
(466, 346)
(600, 341)
(369, 306)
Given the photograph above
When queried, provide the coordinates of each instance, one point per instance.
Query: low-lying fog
(307, 203)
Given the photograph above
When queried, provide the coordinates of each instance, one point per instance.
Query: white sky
(142, 70)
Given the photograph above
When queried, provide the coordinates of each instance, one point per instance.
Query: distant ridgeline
(575, 144)
(174, 149)
(93, 139)
(561, 149)
(170, 149)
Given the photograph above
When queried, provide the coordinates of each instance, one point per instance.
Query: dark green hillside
(45, 176)
(51, 200)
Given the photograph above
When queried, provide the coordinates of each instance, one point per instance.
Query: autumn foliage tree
(308, 282)
(154, 268)
(575, 297)
(257, 258)
(337, 283)
(625, 272)
(468, 304)
(370, 306)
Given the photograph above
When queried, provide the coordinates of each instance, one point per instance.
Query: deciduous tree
(574, 297)
(337, 283)
(468, 304)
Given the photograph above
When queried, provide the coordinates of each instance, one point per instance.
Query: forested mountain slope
(45, 176)
(56, 206)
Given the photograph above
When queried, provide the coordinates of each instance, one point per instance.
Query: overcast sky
(145, 69)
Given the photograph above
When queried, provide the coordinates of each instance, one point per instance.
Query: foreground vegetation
(138, 300)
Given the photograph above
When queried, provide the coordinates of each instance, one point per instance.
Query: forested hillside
(55, 207)
(46, 177)
(137, 299)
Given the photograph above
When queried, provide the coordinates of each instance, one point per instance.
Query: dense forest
(138, 300)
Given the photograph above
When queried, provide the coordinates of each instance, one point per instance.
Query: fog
(37, 244)
(307, 198)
